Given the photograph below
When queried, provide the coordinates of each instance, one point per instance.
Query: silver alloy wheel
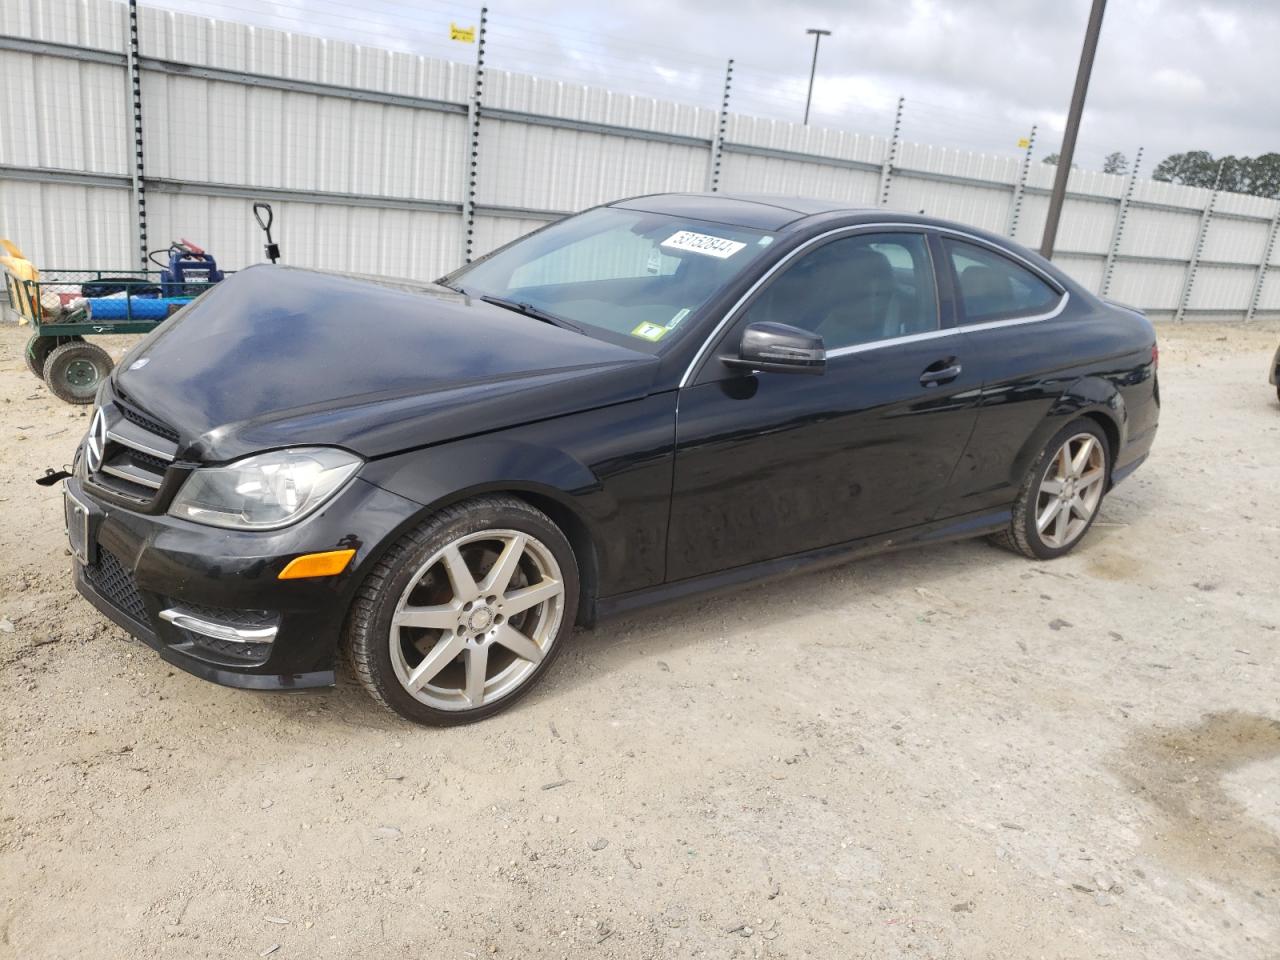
(1071, 490)
(495, 601)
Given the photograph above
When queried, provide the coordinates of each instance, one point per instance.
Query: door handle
(943, 371)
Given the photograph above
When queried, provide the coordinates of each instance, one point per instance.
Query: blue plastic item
(138, 308)
(190, 269)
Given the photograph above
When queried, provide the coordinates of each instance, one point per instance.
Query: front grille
(147, 461)
(116, 585)
(147, 423)
(136, 451)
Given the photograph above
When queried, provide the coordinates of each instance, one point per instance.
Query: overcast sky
(1171, 75)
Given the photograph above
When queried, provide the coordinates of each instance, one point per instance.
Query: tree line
(1259, 176)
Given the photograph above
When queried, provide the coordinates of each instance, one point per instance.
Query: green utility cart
(64, 307)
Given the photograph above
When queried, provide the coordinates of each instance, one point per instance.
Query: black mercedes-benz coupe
(654, 397)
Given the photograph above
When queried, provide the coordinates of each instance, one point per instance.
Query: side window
(993, 287)
(855, 290)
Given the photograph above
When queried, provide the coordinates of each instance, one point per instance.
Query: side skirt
(955, 528)
(1125, 471)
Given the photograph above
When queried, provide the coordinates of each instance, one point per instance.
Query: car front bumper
(147, 571)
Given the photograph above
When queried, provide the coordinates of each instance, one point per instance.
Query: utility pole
(817, 38)
(1068, 151)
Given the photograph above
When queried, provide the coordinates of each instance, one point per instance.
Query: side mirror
(779, 348)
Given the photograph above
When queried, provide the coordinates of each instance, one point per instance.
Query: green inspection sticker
(654, 332)
(650, 331)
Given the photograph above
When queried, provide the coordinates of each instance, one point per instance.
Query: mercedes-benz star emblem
(96, 444)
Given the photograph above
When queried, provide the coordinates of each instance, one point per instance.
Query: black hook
(272, 248)
(258, 207)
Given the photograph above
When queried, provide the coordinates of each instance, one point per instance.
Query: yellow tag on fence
(465, 34)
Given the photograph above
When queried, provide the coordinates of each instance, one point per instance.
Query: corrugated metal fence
(384, 162)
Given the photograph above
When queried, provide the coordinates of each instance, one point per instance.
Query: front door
(772, 464)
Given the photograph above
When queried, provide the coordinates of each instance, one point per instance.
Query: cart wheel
(38, 350)
(74, 370)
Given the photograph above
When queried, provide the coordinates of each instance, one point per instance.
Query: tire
(74, 371)
(38, 349)
(1081, 494)
(427, 673)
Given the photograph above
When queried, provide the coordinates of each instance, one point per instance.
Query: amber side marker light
(327, 564)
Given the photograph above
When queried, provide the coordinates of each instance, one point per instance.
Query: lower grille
(116, 585)
(216, 649)
(225, 651)
(233, 617)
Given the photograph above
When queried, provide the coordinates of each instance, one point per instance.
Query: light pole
(1067, 153)
(817, 38)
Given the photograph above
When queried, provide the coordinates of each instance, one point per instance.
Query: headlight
(265, 491)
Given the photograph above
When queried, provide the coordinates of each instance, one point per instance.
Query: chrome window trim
(924, 228)
(1016, 321)
(948, 331)
(892, 341)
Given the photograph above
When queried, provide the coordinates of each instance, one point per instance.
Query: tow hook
(52, 476)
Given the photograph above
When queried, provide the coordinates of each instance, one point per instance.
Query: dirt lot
(942, 753)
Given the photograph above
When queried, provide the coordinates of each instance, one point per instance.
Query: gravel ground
(950, 752)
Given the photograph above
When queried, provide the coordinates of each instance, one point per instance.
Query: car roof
(778, 213)
(758, 211)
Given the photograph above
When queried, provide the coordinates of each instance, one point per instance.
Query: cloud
(1179, 85)
(1170, 74)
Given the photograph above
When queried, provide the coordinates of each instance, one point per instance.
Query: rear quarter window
(993, 287)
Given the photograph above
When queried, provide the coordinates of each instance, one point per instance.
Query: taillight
(1155, 355)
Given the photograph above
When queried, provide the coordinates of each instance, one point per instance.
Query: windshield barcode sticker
(703, 243)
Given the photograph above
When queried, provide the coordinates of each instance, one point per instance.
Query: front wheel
(464, 613)
(1062, 493)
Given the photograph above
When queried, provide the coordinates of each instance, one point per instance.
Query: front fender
(437, 476)
(603, 475)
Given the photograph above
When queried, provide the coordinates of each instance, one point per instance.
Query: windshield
(633, 275)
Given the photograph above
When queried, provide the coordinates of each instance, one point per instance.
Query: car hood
(277, 356)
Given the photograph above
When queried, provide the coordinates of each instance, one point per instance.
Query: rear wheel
(74, 370)
(1062, 493)
(465, 613)
(38, 350)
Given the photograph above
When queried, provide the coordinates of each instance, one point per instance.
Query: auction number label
(703, 243)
